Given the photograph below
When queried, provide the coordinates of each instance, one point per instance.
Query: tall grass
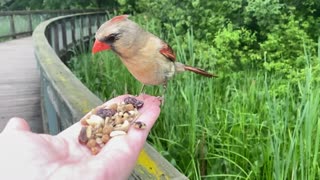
(232, 127)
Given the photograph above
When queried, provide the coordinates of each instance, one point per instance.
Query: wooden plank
(19, 83)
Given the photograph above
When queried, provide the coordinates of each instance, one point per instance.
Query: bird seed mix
(105, 122)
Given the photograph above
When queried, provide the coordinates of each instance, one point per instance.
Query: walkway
(19, 83)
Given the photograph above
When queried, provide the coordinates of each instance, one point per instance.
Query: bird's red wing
(167, 51)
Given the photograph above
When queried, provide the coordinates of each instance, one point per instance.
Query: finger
(149, 114)
(16, 123)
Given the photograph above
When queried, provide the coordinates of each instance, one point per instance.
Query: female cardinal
(149, 59)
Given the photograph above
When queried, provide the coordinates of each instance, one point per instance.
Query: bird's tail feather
(199, 71)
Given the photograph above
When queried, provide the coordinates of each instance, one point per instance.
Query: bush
(285, 47)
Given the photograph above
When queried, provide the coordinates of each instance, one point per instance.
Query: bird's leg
(142, 89)
(164, 88)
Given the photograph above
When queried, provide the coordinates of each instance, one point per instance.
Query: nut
(126, 115)
(89, 131)
(95, 150)
(99, 135)
(128, 107)
(84, 122)
(91, 143)
(113, 106)
(123, 127)
(105, 138)
(133, 112)
(107, 120)
(99, 140)
(120, 108)
(107, 129)
(117, 133)
(118, 120)
(95, 120)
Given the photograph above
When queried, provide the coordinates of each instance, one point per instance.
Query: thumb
(16, 123)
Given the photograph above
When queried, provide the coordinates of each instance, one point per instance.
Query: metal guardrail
(65, 99)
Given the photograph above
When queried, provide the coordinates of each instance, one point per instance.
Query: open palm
(27, 155)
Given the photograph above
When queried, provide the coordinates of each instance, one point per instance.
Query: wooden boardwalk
(19, 83)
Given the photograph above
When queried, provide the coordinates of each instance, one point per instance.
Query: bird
(147, 57)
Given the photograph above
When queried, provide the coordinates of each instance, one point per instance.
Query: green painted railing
(65, 99)
(21, 23)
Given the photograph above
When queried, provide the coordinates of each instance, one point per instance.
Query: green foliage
(285, 47)
(304, 8)
(263, 14)
(208, 16)
(235, 49)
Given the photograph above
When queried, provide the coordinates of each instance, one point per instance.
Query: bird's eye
(111, 38)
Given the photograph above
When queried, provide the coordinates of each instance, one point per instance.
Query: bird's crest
(119, 18)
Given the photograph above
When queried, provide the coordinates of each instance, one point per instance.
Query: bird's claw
(161, 99)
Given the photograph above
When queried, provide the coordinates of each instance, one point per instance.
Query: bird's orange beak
(99, 46)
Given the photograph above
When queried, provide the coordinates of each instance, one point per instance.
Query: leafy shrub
(235, 49)
(286, 45)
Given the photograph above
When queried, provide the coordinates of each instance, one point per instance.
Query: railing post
(64, 34)
(56, 38)
(81, 27)
(73, 30)
(13, 29)
(98, 21)
(30, 22)
(89, 26)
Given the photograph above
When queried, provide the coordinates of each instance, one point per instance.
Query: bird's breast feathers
(150, 70)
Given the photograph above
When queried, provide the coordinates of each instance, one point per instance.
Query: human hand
(26, 155)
